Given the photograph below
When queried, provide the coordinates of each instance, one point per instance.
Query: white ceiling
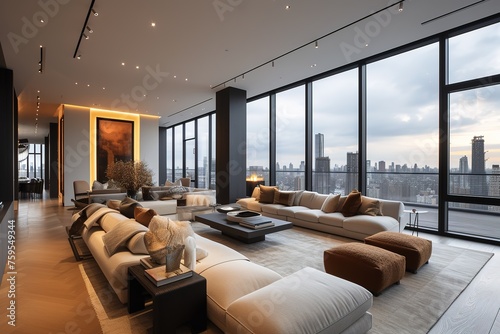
(196, 47)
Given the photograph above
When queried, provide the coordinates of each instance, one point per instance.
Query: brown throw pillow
(127, 207)
(284, 197)
(144, 215)
(369, 206)
(351, 204)
(266, 194)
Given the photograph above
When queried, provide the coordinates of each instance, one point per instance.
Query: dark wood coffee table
(219, 222)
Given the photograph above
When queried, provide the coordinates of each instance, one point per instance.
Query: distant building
(321, 176)
(463, 168)
(478, 174)
(352, 170)
(494, 189)
(381, 166)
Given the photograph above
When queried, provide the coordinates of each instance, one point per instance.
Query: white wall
(76, 148)
(149, 144)
(77, 143)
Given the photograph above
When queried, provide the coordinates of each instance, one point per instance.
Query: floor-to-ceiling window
(290, 139)
(416, 123)
(203, 148)
(474, 136)
(258, 139)
(31, 161)
(335, 133)
(178, 151)
(402, 137)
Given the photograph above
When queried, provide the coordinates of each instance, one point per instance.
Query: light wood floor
(51, 298)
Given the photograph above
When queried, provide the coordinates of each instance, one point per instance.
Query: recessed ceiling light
(153, 24)
(186, 79)
(88, 85)
(123, 64)
(76, 83)
(103, 88)
(137, 67)
(287, 7)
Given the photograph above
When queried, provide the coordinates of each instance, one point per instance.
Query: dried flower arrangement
(130, 175)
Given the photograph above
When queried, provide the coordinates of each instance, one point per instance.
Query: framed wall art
(115, 142)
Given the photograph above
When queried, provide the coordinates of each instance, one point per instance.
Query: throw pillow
(331, 203)
(284, 197)
(266, 194)
(144, 215)
(114, 204)
(351, 204)
(127, 207)
(99, 186)
(169, 183)
(112, 184)
(369, 206)
(256, 193)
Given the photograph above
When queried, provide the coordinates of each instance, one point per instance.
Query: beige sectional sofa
(242, 297)
(323, 212)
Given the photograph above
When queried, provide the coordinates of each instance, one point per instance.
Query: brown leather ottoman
(417, 251)
(371, 267)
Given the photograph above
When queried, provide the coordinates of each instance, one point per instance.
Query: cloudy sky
(402, 124)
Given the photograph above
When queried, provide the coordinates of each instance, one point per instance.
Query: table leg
(136, 296)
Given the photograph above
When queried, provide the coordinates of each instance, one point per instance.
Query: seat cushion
(370, 224)
(309, 215)
(333, 219)
(307, 301)
(228, 281)
(371, 267)
(416, 250)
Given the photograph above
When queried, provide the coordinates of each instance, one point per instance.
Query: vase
(132, 193)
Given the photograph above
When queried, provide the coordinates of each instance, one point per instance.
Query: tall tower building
(321, 177)
(463, 168)
(319, 145)
(494, 188)
(381, 166)
(478, 177)
(351, 179)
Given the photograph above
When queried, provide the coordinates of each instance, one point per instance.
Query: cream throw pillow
(331, 203)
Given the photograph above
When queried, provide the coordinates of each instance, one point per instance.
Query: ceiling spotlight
(90, 30)
(287, 7)
(86, 37)
(153, 24)
(94, 12)
(316, 44)
(79, 57)
(400, 6)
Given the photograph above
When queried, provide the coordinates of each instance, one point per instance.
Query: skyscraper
(463, 168)
(322, 166)
(494, 190)
(351, 179)
(478, 177)
(319, 145)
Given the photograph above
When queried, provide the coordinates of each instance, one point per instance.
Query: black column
(53, 160)
(8, 148)
(231, 124)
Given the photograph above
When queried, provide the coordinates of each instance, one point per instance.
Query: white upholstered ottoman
(307, 301)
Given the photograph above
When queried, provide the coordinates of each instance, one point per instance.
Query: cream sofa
(308, 210)
(240, 292)
(192, 196)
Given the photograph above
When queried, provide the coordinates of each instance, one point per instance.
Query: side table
(414, 224)
(174, 304)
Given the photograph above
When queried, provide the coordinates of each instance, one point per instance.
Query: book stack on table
(256, 223)
(160, 277)
(250, 219)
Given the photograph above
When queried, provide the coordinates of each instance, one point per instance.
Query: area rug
(413, 306)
